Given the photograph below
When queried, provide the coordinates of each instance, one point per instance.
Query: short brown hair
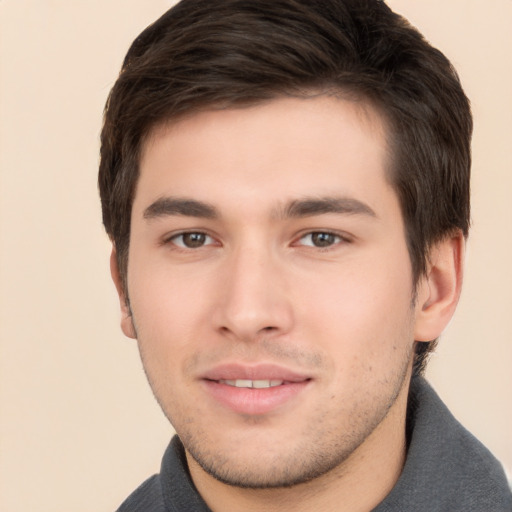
(204, 54)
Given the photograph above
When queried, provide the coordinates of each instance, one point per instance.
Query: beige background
(79, 428)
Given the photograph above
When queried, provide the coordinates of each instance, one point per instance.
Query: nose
(254, 298)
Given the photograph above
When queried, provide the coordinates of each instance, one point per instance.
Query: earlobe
(126, 315)
(439, 290)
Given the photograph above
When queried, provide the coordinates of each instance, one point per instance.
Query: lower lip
(254, 401)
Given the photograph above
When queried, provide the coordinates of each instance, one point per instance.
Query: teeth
(266, 383)
(258, 384)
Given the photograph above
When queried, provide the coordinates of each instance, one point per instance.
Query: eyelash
(338, 239)
(172, 239)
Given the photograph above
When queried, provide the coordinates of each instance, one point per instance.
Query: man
(286, 186)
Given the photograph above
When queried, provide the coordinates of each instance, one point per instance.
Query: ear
(439, 290)
(126, 315)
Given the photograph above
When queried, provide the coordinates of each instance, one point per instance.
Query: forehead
(276, 151)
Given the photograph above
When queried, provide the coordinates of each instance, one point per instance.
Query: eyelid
(342, 236)
(212, 239)
(171, 237)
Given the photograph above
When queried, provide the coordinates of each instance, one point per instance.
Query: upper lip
(268, 371)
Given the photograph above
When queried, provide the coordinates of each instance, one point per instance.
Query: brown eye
(323, 239)
(320, 239)
(192, 240)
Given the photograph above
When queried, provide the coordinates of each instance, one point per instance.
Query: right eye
(191, 240)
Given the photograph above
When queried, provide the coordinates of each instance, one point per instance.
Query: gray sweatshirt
(447, 469)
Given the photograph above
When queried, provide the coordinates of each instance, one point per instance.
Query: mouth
(255, 390)
(255, 384)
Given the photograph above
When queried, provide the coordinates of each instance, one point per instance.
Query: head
(286, 186)
(230, 54)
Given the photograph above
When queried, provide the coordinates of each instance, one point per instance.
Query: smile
(256, 384)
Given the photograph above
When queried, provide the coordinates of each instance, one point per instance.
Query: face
(270, 288)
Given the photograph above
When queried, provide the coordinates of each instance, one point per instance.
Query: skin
(260, 277)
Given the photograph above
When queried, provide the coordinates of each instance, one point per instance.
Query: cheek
(173, 310)
(364, 313)
(168, 308)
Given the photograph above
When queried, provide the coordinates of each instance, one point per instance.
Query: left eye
(320, 239)
(192, 240)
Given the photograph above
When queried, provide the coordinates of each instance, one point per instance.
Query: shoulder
(147, 497)
(447, 468)
(172, 490)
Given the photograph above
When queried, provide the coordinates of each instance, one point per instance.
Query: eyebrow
(309, 207)
(306, 207)
(166, 206)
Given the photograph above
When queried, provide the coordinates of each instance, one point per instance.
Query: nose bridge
(254, 299)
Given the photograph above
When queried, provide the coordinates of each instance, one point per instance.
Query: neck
(358, 484)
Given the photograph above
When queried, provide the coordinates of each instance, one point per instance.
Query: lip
(233, 371)
(252, 401)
